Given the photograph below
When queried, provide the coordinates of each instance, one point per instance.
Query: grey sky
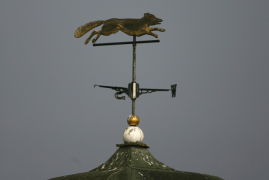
(54, 123)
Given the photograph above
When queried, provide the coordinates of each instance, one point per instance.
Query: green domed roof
(135, 162)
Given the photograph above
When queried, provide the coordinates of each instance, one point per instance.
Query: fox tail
(86, 28)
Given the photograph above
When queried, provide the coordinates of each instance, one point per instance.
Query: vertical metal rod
(134, 71)
(133, 107)
(134, 59)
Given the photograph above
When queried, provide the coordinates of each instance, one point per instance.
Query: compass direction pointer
(133, 91)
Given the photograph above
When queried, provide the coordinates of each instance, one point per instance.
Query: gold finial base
(133, 120)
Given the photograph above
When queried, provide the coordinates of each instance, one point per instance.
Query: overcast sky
(53, 122)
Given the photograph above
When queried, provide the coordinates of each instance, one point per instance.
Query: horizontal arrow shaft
(127, 42)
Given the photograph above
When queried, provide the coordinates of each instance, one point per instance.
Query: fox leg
(152, 34)
(92, 34)
(156, 29)
(95, 39)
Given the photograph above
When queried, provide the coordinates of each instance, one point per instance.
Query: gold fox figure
(132, 27)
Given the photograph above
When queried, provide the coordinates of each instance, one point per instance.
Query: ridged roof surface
(135, 163)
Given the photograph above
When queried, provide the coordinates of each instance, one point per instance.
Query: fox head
(151, 19)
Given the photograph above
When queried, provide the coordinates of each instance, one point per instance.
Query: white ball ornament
(133, 134)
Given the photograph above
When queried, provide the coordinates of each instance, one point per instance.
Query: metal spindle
(134, 71)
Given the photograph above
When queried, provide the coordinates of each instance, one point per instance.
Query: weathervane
(132, 27)
(132, 160)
